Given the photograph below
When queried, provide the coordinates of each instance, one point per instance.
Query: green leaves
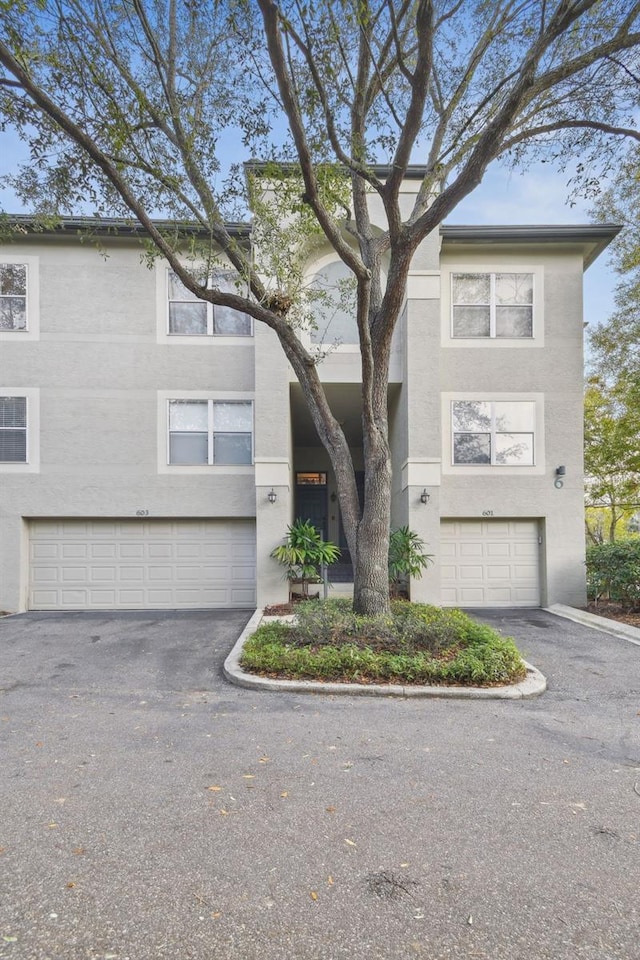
(406, 557)
(304, 552)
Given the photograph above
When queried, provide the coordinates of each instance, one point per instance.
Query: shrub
(304, 552)
(417, 643)
(613, 571)
(406, 558)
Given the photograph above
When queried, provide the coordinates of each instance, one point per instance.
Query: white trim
(33, 299)
(494, 470)
(163, 398)
(503, 264)
(32, 396)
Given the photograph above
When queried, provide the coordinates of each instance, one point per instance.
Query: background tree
(612, 400)
(127, 104)
(612, 458)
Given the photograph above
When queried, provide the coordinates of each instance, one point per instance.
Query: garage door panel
(498, 595)
(498, 550)
(470, 549)
(177, 564)
(103, 551)
(490, 563)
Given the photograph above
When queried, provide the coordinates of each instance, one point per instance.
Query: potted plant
(303, 553)
(406, 559)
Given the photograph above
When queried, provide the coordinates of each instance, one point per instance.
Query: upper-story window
(492, 305)
(13, 429)
(13, 297)
(190, 317)
(210, 432)
(496, 433)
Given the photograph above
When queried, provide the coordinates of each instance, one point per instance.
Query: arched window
(335, 311)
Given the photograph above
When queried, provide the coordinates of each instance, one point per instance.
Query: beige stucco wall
(100, 368)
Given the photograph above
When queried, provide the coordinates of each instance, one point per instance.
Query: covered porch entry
(315, 496)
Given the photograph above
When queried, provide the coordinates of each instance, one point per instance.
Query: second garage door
(490, 563)
(130, 564)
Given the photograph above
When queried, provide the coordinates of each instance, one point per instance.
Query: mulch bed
(614, 611)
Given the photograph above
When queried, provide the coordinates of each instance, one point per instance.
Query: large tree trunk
(371, 570)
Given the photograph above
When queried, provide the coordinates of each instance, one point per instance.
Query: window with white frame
(13, 297)
(190, 317)
(213, 432)
(13, 430)
(492, 305)
(496, 433)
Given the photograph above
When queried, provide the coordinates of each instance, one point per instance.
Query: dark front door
(311, 504)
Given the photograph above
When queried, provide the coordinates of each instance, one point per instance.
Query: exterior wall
(553, 372)
(99, 369)
(274, 462)
(417, 420)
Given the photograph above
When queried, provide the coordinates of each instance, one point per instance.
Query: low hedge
(613, 571)
(417, 644)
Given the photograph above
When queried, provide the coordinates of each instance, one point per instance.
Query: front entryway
(490, 563)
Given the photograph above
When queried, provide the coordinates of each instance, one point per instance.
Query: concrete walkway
(152, 811)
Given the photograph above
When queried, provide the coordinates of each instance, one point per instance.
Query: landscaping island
(417, 644)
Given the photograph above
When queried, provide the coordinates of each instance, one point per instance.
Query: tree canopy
(612, 400)
(131, 105)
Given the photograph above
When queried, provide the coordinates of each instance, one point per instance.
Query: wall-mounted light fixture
(424, 496)
(272, 496)
(560, 473)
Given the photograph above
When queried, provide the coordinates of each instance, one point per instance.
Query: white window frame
(164, 398)
(32, 331)
(163, 272)
(492, 304)
(493, 469)
(32, 396)
(328, 347)
(502, 264)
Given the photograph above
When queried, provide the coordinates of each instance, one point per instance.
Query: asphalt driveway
(150, 810)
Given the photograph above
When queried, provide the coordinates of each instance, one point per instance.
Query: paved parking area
(150, 810)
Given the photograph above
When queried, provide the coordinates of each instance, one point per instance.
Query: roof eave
(593, 238)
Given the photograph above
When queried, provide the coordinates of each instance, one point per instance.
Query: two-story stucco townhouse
(153, 449)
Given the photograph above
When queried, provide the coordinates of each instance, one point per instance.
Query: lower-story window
(498, 433)
(210, 432)
(13, 430)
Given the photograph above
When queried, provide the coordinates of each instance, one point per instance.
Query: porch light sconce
(424, 496)
(272, 496)
(560, 473)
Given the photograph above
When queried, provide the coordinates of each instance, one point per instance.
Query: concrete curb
(532, 686)
(622, 630)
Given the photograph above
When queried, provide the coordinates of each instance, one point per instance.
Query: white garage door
(490, 563)
(152, 564)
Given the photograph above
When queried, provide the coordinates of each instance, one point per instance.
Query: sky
(539, 195)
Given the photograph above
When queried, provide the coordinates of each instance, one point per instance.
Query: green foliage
(612, 456)
(128, 109)
(304, 552)
(406, 558)
(613, 571)
(417, 643)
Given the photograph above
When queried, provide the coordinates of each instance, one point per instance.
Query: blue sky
(539, 195)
